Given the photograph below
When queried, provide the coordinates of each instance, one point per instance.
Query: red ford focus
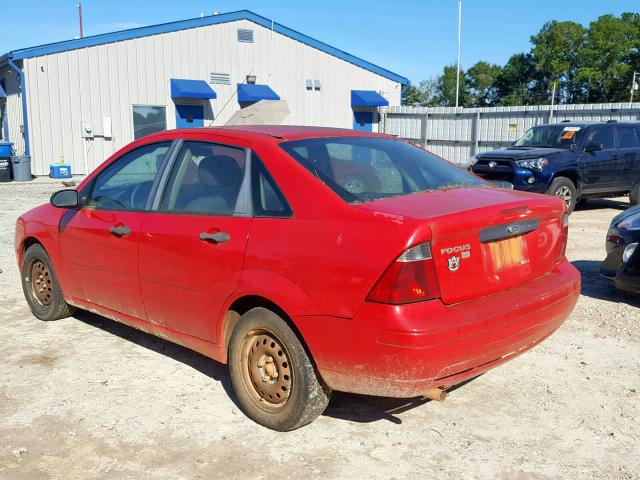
(246, 244)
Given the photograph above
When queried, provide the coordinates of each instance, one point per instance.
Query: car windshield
(551, 136)
(365, 168)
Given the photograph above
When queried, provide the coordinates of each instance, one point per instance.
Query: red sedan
(246, 245)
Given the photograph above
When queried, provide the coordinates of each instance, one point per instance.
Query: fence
(458, 133)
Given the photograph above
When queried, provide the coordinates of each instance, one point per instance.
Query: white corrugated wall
(88, 84)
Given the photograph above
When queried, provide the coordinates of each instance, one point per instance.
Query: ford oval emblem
(493, 164)
(513, 229)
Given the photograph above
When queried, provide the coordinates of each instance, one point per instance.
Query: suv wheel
(564, 188)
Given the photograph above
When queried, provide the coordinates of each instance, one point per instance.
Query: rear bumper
(400, 351)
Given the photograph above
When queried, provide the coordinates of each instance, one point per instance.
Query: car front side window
(206, 178)
(126, 183)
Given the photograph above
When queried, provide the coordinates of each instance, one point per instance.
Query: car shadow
(343, 406)
(596, 286)
(367, 409)
(598, 203)
(205, 365)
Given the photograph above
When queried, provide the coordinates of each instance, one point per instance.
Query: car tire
(40, 286)
(276, 383)
(564, 188)
(634, 194)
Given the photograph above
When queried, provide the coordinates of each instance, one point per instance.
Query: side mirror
(593, 147)
(65, 199)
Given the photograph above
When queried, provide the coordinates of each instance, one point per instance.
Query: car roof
(588, 124)
(278, 132)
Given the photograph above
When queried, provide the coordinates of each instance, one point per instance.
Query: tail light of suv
(410, 278)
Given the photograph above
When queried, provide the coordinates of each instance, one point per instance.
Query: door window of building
(148, 119)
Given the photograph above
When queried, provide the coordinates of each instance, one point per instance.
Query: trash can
(5, 169)
(6, 149)
(21, 168)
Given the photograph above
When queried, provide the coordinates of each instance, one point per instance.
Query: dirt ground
(86, 397)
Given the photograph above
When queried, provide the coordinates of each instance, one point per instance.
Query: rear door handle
(120, 231)
(218, 237)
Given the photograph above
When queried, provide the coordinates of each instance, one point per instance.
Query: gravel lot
(86, 397)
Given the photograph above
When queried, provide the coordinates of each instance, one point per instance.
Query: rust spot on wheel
(41, 283)
(266, 370)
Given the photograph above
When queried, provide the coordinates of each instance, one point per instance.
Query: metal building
(81, 100)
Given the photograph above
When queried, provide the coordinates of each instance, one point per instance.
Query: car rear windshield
(551, 136)
(368, 168)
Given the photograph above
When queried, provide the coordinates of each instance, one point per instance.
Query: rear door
(599, 169)
(629, 153)
(100, 241)
(192, 246)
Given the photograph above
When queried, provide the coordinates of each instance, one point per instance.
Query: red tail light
(564, 236)
(410, 278)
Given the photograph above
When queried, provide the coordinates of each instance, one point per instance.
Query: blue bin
(6, 149)
(60, 170)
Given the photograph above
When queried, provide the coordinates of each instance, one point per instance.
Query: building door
(363, 121)
(189, 116)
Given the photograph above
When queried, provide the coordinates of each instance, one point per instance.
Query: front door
(100, 241)
(363, 121)
(598, 168)
(189, 116)
(192, 249)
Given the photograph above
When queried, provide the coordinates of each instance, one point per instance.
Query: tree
(426, 94)
(520, 82)
(411, 95)
(556, 51)
(447, 87)
(482, 83)
(609, 58)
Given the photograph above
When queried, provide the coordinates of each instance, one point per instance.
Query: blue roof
(194, 23)
(251, 92)
(183, 88)
(367, 98)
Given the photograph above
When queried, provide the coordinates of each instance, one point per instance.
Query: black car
(573, 160)
(622, 264)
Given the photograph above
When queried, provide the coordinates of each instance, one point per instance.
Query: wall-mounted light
(251, 78)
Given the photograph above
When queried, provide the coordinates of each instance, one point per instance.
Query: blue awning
(367, 98)
(251, 92)
(181, 88)
(2, 94)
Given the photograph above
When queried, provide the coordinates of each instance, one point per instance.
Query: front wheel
(276, 383)
(564, 188)
(40, 286)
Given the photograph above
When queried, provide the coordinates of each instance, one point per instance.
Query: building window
(148, 119)
(245, 35)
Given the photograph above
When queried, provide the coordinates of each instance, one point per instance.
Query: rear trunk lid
(483, 240)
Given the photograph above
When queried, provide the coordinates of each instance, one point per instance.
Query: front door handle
(120, 231)
(218, 237)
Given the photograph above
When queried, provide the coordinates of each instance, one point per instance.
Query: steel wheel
(267, 372)
(41, 283)
(564, 192)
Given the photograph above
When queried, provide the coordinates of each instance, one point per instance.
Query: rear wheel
(40, 286)
(564, 188)
(276, 383)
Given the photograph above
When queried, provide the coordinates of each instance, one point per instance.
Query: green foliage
(593, 64)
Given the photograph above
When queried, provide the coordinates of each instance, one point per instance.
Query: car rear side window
(367, 168)
(205, 178)
(627, 137)
(126, 183)
(268, 200)
(602, 135)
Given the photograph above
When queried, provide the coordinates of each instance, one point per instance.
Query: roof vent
(220, 78)
(245, 35)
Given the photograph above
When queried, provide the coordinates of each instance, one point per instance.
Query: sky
(413, 38)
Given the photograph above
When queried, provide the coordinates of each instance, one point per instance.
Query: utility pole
(553, 98)
(634, 87)
(459, 37)
(79, 5)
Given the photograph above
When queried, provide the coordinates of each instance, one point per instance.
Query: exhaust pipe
(436, 394)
